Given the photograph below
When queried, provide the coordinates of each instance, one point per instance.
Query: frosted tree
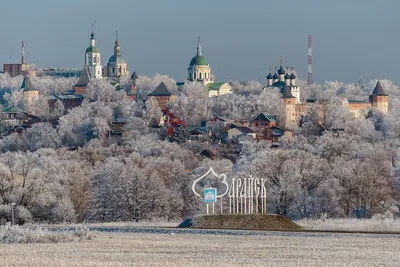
(192, 104)
(41, 135)
(15, 99)
(153, 112)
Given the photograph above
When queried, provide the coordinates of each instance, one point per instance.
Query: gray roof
(246, 130)
(117, 59)
(84, 78)
(134, 76)
(161, 90)
(27, 84)
(378, 90)
(287, 93)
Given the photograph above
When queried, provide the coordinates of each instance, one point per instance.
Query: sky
(240, 39)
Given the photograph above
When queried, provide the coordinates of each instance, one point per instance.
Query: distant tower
(22, 52)
(117, 65)
(290, 107)
(379, 99)
(92, 58)
(29, 92)
(310, 80)
(199, 69)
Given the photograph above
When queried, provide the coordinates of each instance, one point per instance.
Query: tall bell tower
(92, 58)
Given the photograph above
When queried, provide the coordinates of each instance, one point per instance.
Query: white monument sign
(244, 195)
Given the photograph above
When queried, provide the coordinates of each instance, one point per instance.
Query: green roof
(279, 84)
(12, 109)
(92, 49)
(215, 86)
(199, 60)
(265, 116)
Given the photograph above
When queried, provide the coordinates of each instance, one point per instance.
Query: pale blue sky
(240, 39)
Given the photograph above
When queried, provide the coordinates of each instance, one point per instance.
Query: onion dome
(292, 76)
(269, 76)
(275, 76)
(281, 71)
(287, 76)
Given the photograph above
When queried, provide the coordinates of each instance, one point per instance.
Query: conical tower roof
(84, 79)
(287, 93)
(134, 76)
(27, 84)
(378, 90)
(161, 90)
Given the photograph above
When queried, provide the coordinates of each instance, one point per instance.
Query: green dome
(199, 60)
(92, 49)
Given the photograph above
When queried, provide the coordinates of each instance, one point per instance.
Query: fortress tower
(379, 99)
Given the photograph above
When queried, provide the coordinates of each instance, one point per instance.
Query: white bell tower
(92, 59)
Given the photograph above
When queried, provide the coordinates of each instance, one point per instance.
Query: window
(95, 59)
(194, 76)
(12, 116)
(200, 76)
(205, 75)
(90, 59)
(190, 76)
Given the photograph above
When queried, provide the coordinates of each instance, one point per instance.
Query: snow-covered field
(365, 225)
(183, 249)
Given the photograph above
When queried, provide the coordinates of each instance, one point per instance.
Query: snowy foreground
(180, 248)
(362, 225)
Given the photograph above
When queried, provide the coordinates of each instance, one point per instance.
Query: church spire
(92, 40)
(116, 47)
(199, 48)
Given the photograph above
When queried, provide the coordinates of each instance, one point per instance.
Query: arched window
(200, 75)
(194, 76)
(205, 75)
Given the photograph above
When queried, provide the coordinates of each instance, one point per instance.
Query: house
(263, 120)
(13, 115)
(238, 132)
(218, 88)
(199, 133)
(117, 128)
(69, 101)
(218, 122)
